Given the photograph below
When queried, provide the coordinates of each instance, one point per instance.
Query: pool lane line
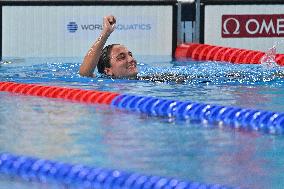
(205, 52)
(78, 95)
(233, 117)
(78, 175)
(229, 116)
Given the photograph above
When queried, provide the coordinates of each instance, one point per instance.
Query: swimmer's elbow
(85, 73)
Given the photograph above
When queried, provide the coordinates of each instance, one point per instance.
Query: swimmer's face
(122, 62)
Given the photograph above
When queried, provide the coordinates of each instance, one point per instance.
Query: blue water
(98, 135)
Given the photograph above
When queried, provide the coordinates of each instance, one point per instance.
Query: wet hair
(104, 60)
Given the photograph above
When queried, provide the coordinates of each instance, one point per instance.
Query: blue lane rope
(35, 169)
(235, 117)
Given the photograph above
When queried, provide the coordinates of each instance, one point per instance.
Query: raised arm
(93, 55)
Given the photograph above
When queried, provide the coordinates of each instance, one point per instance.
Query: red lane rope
(80, 95)
(207, 52)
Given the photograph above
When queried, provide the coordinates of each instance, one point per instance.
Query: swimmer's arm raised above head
(92, 57)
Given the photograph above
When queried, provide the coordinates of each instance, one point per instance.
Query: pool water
(100, 136)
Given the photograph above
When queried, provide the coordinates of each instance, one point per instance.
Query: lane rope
(79, 95)
(234, 117)
(229, 116)
(205, 52)
(43, 170)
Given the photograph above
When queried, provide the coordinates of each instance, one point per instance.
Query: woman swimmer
(114, 60)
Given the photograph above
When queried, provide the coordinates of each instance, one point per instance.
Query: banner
(69, 31)
(256, 27)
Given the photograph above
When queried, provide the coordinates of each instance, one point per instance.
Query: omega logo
(225, 29)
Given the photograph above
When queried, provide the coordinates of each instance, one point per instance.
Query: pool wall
(69, 28)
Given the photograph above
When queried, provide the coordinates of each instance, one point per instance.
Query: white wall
(41, 31)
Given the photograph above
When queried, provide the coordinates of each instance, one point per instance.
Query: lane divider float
(205, 52)
(79, 95)
(232, 117)
(42, 170)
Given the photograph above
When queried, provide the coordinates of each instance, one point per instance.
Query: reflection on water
(36, 124)
(99, 136)
(19, 183)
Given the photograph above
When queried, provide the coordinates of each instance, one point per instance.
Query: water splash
(5, 62)
(189, 73)
(268, 59)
